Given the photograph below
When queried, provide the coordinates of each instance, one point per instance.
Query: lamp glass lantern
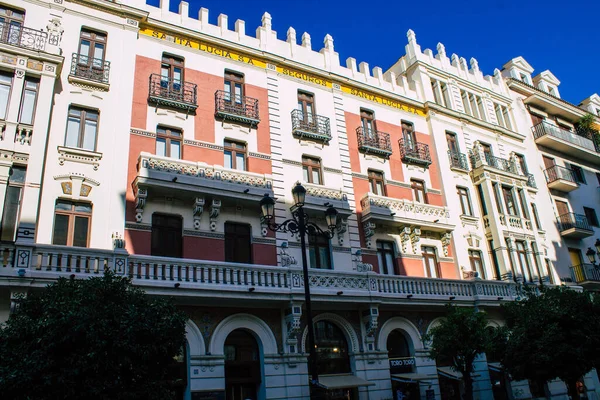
(267, 206)
(591, 255)
(299, 193)
(597, 246)
(331, 217)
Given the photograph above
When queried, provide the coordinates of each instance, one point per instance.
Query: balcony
(319, 195)
(311, 126)
(213, 280)
(561, 178)
(586, 275)
(414, 153)
(564, 141)
(89, 71)
(173, 93)
(374, 142)
(574, 226)
(169, 176)
(392, 211)
(458, 161)
(242, 109)
(21, 36)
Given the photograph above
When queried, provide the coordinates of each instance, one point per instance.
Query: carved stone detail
(405, 238)
(415, 237)
(446, 237)
(140, 202)
(369, 228)
(215, 210)
(197, 212)
(341, 228)
(293, 326)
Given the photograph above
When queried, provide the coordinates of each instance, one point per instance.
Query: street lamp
(299, 223)
(591, 255)
(597, 246)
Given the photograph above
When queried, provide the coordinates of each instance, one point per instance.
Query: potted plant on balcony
(587, 127)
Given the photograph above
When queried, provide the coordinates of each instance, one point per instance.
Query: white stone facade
(481, 257)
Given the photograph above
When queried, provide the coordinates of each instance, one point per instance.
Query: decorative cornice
(259, 155)
(262, 240)
(360, 176)
(339, 249)
(291, 162)
(141, 132)
(210, 235)
(138, 227)
(332, 170)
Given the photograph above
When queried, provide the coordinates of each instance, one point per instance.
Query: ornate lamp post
(299, 223)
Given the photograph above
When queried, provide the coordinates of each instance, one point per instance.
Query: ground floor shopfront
(240, 354)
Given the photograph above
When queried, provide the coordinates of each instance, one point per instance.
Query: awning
(495, 366)
(448, 372)
(342, 381)
(412, 377)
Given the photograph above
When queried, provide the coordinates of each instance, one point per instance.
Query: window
(311, 169)
(238, 243)
(167, 239)
(306, 105)
(171, 71)
(523, 204)
(408, 133)
(12, 203)
(534, 250)
(235, 155)
(496, 189)
(509, 200)
(318, 251)
(523, 260)
(418, 188)
(551, 90)
(465, 200)
(377, 183)
(536, 217)
(452, 143)
(82, 127)
(578, 174)
(473, 105)
(72, 223)
(430, 261)
(495, 260)
(482, 200)
(524, 78)
(168, 142)
(598, 112)
(521, 160)
(477, 263)
(502, 116)
(12, 21)
(386, 257)
(28, 100)
(234, 87)
(5, 86)
(487, 152)
(440, 93)
(591, 216)
(92, 49)
(367, 121)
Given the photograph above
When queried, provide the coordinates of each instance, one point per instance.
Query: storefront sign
(400, 365)
(260, 63)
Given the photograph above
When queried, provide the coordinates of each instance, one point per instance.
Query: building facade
(143, 140)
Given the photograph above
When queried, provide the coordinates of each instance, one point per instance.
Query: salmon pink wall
(371, 259)
(410, 266)
(448, 270)
(199, 248)
(264, 254)
(138, 242)
(141, 81)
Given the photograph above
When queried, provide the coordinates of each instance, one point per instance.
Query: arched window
(332, 349)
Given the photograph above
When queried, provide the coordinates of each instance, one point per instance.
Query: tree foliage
(552, 334)
(460, 337)
(98, 338)
(586, 126)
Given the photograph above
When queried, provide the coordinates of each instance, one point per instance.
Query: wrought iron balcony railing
(374, 142)
(414, 152)
(311, 126)
(585, 272)
(557, 172)
(236, 108)
(22, 37)
(573, 221)
(501, 164)
(458, 160)
(173, 93)
(545, 128)
(91, 69)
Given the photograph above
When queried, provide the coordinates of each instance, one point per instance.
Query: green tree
(98, 338)
(460, 337)
(552, 334)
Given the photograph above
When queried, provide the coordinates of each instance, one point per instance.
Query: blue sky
(562, 36)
